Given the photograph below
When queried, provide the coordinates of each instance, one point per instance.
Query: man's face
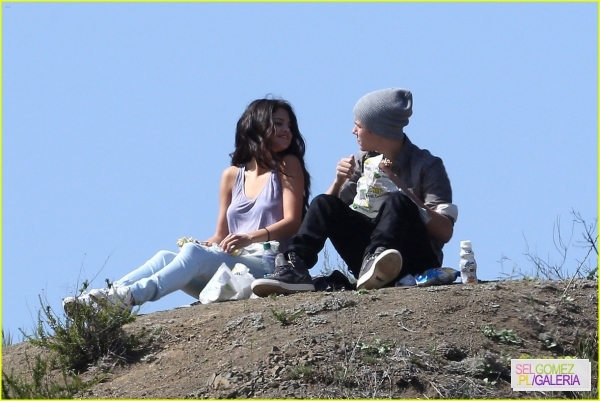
(364, 137)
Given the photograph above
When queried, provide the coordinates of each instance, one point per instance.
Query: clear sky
(118, 119)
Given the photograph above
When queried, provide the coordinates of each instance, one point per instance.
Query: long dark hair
(253, 136)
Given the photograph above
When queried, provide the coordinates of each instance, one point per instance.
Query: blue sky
(118, 119)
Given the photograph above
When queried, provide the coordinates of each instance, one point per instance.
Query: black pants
(397, 226)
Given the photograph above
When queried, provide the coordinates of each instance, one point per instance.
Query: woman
(263, 197)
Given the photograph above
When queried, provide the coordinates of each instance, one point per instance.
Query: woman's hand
(209, 241)
(233, 242)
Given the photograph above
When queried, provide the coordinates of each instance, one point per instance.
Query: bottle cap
(465, 243)
(266, 245)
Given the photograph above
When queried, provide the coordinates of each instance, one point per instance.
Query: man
(388, 212)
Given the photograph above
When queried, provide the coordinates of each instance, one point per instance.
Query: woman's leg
(190, 270)
(152, 266)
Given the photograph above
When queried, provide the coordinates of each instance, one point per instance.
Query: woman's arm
(292, 184)
(225, 188)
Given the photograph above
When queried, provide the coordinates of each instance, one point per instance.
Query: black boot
(290, 275)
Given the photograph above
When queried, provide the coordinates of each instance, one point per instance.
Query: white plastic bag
(220, 287)
(244, 279)
(228, 285)
(372, 188)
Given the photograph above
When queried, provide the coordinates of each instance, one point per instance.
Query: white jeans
(189, 270)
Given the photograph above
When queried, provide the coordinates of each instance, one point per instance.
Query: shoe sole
(264, 287)
(386, 267)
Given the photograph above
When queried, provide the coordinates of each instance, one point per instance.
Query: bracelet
(268, 234)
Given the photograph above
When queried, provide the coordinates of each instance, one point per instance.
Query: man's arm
(440, 226)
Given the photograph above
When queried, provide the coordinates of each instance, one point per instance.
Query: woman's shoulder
(230, 173)
(291, 162)
(291, 169)
(232, 170)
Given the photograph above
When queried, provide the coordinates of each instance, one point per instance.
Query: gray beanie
(385, 112)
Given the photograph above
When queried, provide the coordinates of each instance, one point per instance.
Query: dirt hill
(453, 341)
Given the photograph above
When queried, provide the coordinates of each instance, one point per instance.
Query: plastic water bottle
(468, 266)
(268, 258)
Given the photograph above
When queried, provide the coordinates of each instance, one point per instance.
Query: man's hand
(386, 166)
(345, 169)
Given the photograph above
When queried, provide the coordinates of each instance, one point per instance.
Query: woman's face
(283, 132)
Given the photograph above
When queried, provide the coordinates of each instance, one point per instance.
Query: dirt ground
(452, 341)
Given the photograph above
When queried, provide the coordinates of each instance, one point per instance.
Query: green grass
(505, 336)
(284, 317)
(41, 384)
(377, 348)
(301, 371)
(90, 336)
(7, 339)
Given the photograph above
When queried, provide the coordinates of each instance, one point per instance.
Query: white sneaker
(118, 296)
(379, 269)
(87, 298)
(70, 304)
(98, 294)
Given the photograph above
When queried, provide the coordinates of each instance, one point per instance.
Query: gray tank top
(246, 215)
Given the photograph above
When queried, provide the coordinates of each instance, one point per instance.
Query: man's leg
(399, 226)
(327, 217)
